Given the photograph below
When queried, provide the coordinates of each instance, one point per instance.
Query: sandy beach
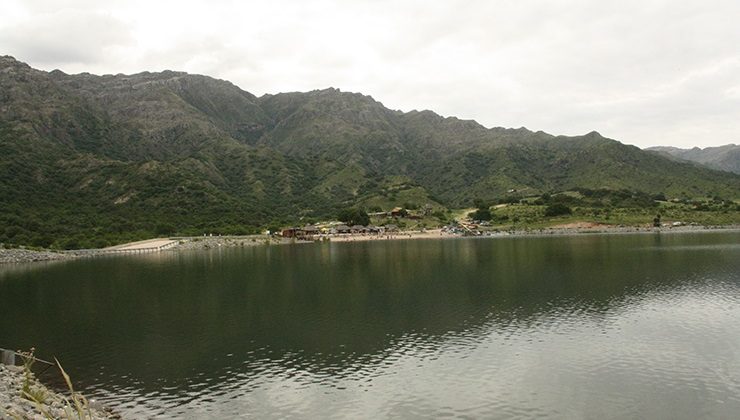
(580, 228)
(428, 234)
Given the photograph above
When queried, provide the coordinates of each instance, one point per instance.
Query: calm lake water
(621, 326)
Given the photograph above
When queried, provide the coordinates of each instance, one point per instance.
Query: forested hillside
(88, 161)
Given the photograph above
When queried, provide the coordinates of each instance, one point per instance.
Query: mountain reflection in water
(585, 326)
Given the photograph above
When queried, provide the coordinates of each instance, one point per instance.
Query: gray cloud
(644, 72)
(64, 37)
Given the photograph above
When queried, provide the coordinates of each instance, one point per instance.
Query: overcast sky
(645, 72)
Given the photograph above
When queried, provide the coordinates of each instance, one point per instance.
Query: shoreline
(22, 255)
(51, 404)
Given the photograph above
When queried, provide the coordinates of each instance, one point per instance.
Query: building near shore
(342, 229)
(311, 231)
(398, 212)
(374, 229)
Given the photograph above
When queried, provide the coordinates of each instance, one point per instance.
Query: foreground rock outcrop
(19, 255)
(52, 405)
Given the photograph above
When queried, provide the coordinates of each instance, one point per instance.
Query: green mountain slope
(723, 158)
(90, 160)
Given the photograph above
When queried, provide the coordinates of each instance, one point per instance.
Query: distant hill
(723, 158)
(90, 160)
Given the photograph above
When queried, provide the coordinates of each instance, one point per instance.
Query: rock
(20, 255)
(13, 405)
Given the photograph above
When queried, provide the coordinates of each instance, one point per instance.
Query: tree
(480, 204)
(557, 209)
(274, 228)
(483, 213)
(164, 229)
(354, 216)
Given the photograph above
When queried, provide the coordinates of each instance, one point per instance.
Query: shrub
(354, 216)
(557, 209)
(481, 214)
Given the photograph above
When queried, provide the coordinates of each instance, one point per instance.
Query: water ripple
(566, 328)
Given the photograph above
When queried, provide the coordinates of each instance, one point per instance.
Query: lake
(589, 326)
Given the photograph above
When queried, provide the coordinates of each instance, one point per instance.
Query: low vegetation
(354, 216)
(620, 207)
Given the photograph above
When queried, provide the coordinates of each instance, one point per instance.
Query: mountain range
(88, 160)
(723, 158)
